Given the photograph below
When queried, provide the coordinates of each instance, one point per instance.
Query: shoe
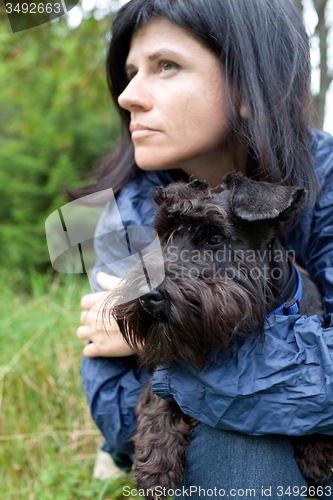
(105, 468)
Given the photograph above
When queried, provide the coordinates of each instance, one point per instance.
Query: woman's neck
(214, 169)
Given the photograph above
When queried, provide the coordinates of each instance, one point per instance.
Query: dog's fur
(195, 317)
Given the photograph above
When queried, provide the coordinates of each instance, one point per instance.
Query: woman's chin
(155, 164)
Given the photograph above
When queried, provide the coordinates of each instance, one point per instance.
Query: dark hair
(264, 51)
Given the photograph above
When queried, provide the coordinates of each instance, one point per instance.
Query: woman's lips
(140, 131)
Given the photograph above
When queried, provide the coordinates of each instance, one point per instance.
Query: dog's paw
(314, 456)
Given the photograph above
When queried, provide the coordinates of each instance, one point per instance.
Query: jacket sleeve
(318, 257)
(313, 237)
(113, 387)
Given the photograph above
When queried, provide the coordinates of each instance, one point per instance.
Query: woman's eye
(129, 77)
(214, 240)
(167, 66)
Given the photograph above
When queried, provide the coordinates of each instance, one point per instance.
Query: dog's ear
(253, 200)
(178, 190)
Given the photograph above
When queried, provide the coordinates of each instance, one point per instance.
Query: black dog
(224, 298)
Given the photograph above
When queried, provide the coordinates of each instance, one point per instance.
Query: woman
(204, 88)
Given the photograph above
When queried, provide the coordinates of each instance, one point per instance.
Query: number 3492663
(303, 491)
(33, 8)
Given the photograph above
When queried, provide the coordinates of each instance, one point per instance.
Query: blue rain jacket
(284, 386)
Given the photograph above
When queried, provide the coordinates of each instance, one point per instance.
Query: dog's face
(216, 247)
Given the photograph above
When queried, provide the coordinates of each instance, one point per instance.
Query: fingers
(97, 309)
(90, 351)
(90, 317)
(108, 282)
(97, 320)
(88, 301)
(98, 326)
(105, 346)
(84, 333)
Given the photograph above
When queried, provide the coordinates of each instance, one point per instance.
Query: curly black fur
(160, 440)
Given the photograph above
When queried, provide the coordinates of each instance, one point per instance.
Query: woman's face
(177, 101)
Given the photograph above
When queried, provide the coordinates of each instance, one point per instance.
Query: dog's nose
(155, 303)
(152, 300)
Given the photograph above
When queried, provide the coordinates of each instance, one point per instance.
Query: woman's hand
(106, 339)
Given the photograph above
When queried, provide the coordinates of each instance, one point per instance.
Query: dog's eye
(214, 240)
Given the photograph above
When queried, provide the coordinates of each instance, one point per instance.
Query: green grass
(47, 437)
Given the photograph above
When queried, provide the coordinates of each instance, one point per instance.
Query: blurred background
(56, 122)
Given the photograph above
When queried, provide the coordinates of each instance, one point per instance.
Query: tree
(56, 122)
(325, 76)
(321, 31)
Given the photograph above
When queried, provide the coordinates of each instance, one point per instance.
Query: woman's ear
(243, 110)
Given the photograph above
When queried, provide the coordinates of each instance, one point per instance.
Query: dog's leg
(160, 438)
(314, 456)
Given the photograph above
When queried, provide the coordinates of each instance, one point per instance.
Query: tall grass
(47, 437)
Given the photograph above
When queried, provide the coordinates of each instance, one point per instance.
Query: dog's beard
(202, 318)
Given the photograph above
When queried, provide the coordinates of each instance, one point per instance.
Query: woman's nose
(135, 95)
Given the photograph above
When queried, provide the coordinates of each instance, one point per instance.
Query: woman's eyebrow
(164, 52)
(156, 55)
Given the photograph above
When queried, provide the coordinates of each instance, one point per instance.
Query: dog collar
(291, 306)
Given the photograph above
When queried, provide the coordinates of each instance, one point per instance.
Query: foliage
(56, 122)
(321, 33)
(47, 437)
